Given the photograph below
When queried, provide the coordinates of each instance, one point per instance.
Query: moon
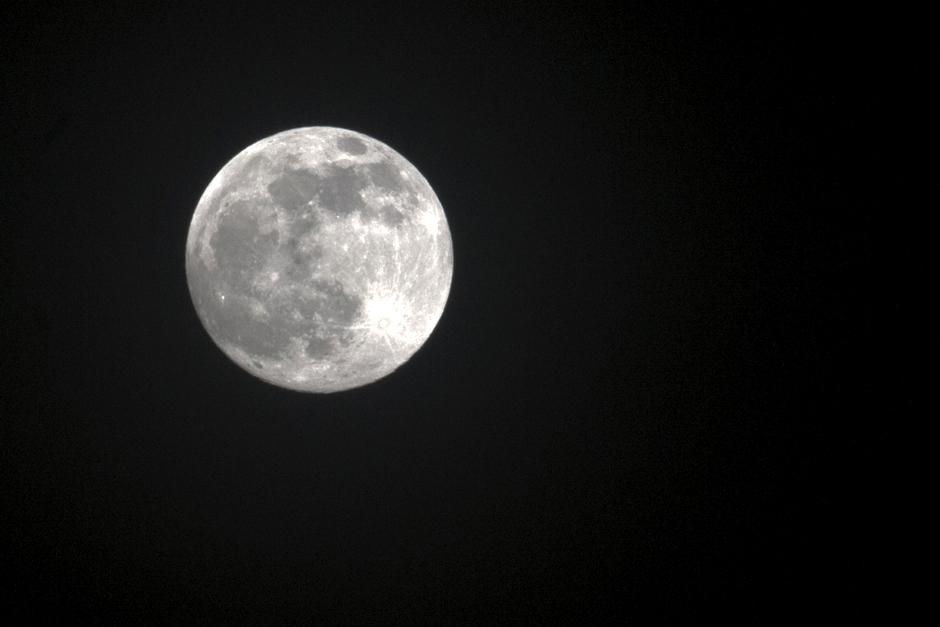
(319, 259)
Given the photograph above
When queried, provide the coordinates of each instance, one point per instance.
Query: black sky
(637, 404)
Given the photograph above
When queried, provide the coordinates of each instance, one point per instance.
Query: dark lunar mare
(351, 145)
(241, 251)
(339, 191)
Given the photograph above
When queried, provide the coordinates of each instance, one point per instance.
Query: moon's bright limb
(319, 259)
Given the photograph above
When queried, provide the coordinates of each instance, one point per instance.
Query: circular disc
(319, 259)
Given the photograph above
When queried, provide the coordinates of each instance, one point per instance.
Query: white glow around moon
(319, 259)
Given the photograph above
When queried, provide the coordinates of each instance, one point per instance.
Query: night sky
(637, 405)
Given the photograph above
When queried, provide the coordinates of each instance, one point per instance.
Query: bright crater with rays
(319, 259)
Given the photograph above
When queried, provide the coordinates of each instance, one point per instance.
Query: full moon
(319, 259)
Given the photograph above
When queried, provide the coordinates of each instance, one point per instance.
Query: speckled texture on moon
(319, 259)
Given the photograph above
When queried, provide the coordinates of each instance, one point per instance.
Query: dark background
(641, 402)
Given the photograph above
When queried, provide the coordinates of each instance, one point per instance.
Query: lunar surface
(319, 259)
